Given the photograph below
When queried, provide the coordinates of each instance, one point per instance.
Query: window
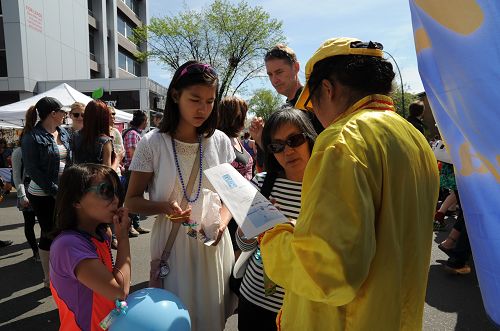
(125, 28)
(129, 64)
(91, 44)
(89, 4)
(132, 4)
(3, 54)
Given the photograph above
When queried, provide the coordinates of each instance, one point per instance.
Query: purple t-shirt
(67, 250)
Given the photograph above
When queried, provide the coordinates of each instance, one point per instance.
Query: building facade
(84, 43)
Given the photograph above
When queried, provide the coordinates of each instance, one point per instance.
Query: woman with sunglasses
(163, 161)
(76, 115)
(288, 138)
(93, 143)
(85, 281)
(45, 152)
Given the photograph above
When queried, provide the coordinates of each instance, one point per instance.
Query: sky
(307, 24)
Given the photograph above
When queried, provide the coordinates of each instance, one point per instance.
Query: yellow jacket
(359, 255)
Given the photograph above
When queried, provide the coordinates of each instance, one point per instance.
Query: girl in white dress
(199, 274)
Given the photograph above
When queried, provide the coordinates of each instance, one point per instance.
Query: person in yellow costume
(359, 254)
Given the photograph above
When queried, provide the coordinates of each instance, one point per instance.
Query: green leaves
(232, 37)
(264, 102)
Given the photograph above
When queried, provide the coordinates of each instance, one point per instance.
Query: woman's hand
(121, 222)
(24, 202)
(176, 214)
(256, 127)
(220, 232)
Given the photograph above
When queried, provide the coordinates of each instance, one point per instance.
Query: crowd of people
(330, 159)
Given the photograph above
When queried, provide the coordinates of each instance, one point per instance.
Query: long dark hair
(73, 185)
(280, 117)
(95, 122)
(182, 79)
(30, 119)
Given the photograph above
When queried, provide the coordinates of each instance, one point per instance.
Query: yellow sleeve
(328, 256)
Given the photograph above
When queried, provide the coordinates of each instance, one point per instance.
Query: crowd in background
(337, 139)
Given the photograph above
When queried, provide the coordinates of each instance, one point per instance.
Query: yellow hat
(334, 47)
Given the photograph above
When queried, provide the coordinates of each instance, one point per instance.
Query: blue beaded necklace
(179, 172)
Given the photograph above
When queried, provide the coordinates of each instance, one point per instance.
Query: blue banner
(458, 52)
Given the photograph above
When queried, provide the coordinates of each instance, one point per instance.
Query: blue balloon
(153, 309)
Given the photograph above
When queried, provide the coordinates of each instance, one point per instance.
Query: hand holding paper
(251, 210)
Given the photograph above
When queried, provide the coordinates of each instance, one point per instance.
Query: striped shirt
(287, 194)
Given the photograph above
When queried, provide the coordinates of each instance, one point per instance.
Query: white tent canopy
(13, 115)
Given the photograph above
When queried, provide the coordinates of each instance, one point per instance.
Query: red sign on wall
(34, 19)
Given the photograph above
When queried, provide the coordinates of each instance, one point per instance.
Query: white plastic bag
(210, 216)
(440, 152)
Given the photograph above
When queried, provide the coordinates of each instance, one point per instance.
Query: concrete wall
(45, 40)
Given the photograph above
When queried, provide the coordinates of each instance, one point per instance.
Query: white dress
(199, 274)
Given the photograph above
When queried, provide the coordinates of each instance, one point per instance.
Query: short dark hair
(232, 114)
(73, 185)
(364, 74)
(416, 108)
(138, 118)
(281, 52)
(182, 79)
(280, 117)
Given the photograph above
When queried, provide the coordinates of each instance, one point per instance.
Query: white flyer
(251, 210)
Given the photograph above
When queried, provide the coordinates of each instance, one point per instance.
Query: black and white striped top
(287, 195)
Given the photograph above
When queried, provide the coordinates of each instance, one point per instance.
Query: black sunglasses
(103, 190)
(296, 140)
(76, 115)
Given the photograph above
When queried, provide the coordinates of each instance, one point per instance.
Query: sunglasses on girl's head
(296, 140)
(103, 190)
(76, 115)
(197, 68)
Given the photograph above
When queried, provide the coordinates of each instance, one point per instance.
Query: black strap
(267, 185)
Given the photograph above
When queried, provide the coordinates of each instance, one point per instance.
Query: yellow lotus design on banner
(458, 52)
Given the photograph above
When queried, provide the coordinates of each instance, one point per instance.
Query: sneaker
(132, 233)
(439, 226)
(142, 230)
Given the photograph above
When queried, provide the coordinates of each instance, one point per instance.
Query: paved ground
(452, 302)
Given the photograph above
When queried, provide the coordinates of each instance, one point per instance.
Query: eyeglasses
(296, 140)
(103, 190)
(197, 68)
(76, 115)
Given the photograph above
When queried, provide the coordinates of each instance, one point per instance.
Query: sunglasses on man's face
(296, 140)
(103, 190)
(77, 115)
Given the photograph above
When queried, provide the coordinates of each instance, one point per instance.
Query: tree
(264, 102)
(407, 98)
(232, 38)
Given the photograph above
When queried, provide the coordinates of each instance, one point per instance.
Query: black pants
(44, 211)
(134, 218)
(252, 317)
(29, 229)
(462, 251)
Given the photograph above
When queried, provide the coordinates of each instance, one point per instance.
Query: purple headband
(200, 66)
